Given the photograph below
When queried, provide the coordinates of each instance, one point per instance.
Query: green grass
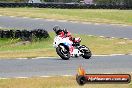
(54, 82)
(88, 15)
(14, 48)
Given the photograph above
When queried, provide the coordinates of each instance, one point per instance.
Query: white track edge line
(59, 57)
(12, 16)
(22, 77)
(25, 77)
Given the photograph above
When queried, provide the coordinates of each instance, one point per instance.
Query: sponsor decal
(83, 78)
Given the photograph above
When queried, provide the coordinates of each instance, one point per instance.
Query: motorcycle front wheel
(87, 52)
(63, 52)
(87, 55)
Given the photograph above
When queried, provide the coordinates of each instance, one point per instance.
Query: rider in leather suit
(63, 33)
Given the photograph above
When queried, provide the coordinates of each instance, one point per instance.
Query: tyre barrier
(67, 6)
(24, 34)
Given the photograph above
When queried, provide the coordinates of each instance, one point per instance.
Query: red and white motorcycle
(66, 48)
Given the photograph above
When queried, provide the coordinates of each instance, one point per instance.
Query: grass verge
(88, 15)
(54, 82)
(12, 48)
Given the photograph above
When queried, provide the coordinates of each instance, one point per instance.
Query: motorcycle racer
(68, 46)
(63, 33)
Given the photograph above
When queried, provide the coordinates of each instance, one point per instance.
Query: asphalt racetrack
(107, 30)
(55, 66)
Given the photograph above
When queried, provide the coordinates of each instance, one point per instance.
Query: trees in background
(108, 1)
(40, 0)
(13, 0)
(60, 0)
(103, 2)
(114, 2)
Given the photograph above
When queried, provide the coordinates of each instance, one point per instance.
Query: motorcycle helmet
(56, 29)
(65, 30)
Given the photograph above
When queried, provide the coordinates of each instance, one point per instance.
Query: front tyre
(87, 52)
(87, 55)
(63, 52)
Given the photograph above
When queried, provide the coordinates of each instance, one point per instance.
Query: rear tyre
(63, 53)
